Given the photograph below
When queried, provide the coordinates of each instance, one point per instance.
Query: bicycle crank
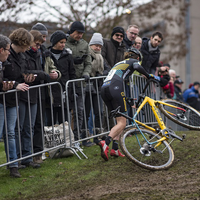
(145, 150)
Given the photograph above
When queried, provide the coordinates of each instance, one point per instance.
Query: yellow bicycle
(150, 147)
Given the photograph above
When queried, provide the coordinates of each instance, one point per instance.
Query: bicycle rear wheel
(136, 149)
(189, 119)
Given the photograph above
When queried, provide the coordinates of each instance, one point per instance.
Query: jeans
(26, 131)
(11, 117)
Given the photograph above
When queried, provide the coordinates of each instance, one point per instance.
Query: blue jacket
(189, 93)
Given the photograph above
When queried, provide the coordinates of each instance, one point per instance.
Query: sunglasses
(119, 35)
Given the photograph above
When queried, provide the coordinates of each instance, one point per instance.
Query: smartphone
(84, 56)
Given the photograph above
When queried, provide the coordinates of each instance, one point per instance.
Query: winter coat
(97, 70)
(150, 58)
(112, 52)
(13, 69)
(191, 96)
(80, 48)
(178, 94)
(48, 66)
(65, 65)
(33, 66)
(127, 42)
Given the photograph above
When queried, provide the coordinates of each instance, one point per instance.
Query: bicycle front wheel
(189, 119)
(144, 153)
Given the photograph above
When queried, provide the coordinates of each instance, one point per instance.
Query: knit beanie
(96, 39)
(77, 26)
(57, 36)
(118, 29)
(41, 28)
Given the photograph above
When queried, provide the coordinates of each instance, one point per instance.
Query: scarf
(97, 62)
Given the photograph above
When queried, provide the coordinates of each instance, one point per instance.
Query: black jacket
(179, 94)
(150, 59)
(13, 69)
(33, 66)
(66, 67)
(112, 52)
(127, 42)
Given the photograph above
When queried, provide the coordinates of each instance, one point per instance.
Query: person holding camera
(163, 73)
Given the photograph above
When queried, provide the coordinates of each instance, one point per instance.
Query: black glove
(87, 78)
(78, 60)
(47, 53)
(98, 74)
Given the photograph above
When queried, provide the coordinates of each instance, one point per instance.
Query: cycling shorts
(113, 95)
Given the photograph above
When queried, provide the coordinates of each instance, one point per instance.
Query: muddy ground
(121, 179)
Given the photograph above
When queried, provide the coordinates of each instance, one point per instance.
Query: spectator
(172, 74)
(113, 49)
(4, 53)
(138, 43)
(191, 96)
(167, 65)
(42, 29)
(150, 52)
(33, 73)
(82, 65)
(130, 36)
(46, 65)
(21, 40)
(163, 73)
(168, 88)
(95, 44)
(178, 94)
(64, 62)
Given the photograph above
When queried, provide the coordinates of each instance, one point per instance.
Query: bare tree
(90, 12)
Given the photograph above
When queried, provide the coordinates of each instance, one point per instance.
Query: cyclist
(112, 92)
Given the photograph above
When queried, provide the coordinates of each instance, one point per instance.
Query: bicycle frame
(154, 106)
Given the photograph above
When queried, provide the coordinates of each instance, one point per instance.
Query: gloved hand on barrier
(87, 78)
(154, 77)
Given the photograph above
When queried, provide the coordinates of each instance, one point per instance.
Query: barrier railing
(66, 137)
(55, 145)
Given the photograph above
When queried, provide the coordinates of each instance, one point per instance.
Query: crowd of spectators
(25, 61)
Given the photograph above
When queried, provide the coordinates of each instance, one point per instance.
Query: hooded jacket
(80, 48)
(65, 65)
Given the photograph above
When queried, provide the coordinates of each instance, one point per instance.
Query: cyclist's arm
(140, 69)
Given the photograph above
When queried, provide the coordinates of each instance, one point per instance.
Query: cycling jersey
(112, 91)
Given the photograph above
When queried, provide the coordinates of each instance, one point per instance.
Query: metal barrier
(105, 124)
(59, 146)
(75, 100)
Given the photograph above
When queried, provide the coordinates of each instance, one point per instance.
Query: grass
(93, 178)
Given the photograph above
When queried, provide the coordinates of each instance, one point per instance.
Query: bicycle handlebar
(148, 83)
(145, 87)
